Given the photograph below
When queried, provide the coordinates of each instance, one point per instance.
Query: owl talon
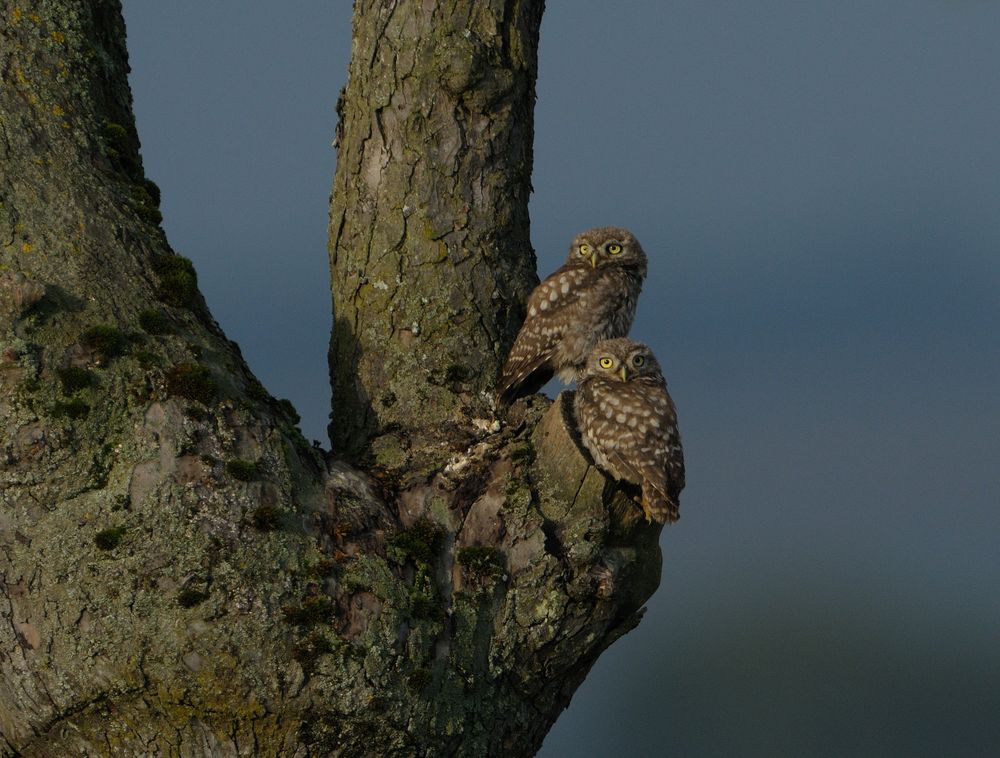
(647, 511)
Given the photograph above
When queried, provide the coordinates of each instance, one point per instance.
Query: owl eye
(638, 360)
(584, 249)
(614, 248)
(607, 362)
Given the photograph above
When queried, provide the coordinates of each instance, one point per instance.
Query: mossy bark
(180, 573)
(430, 254)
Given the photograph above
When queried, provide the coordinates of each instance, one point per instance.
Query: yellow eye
(638, 360)
(584, 249)
(614, 248)
(607, 362)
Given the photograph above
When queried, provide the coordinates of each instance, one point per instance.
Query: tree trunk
(430, 255)
(180, 572)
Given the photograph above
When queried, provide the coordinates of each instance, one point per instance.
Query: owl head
(607, 246)
(621, 360)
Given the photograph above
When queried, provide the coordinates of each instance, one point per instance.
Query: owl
(590, 297)
(628, 423)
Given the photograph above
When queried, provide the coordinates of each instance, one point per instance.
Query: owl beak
(593, 259)
(624, 373)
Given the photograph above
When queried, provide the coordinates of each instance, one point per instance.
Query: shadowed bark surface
(180, 573)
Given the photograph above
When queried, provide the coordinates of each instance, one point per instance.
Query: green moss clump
(178, 280)
(119, 149)
(109, 539)
(421, 542)
(308, 650)
(154, 321)
(192, 381)
(189, 597)
(418, 679)
(289, 410)
(74, 409)
(266, 518)
(74, 379)
(425, 607)
(148, 359)
(315, 609)
(522, 453)
(482, 561)
(153, 190)
(245, 471)
(105, 340)
(322, 568)
(144, 205)
(458, 374)
(257, 391)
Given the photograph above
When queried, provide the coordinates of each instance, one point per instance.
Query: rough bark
(430, 255)
(180, 573)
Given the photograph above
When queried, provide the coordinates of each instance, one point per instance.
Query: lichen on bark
(180, 572)
(430, 254)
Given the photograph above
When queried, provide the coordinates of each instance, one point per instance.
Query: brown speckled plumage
(628, 423)
(590, 297)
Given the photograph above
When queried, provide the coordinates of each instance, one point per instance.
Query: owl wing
(550, 308)
(655, 458)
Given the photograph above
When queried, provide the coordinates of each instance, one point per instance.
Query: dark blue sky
(818, 187)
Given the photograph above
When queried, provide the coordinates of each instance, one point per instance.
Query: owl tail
(659, 508)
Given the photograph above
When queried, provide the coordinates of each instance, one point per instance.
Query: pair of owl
(576, 326)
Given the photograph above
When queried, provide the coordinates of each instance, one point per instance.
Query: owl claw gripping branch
(576, 320)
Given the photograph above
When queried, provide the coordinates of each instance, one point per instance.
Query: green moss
(148, 359)
(456, 374)
(189, 597)
(74, 409)
(421, 542)
(288, 409)
(266, 518)
(196, 413)
(309, 649)
(144, 205)
(418, 679)
(245, 471)
(74, 379)
(120, 151)
(322, 569)
(192, 381)
(154, 321)
(153, 190)
(426, 607)
(109, 539)
(178, 280)
(482, 561)
(208, 460)
(257, 391)
(523, 452)
(107, 341)
(314, 609)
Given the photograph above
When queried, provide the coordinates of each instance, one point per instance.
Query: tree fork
(180, 572)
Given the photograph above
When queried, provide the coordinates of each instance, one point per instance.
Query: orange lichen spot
(35, 18)
(26, 247)
(58, 111)
(15, 16)
(59, 37)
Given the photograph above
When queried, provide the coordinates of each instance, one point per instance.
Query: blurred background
(818, 188)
